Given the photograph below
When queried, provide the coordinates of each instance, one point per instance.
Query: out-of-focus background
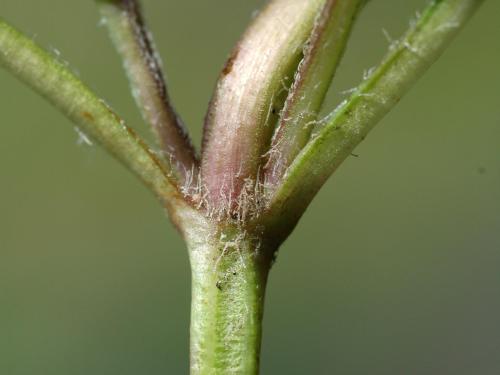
(394, 269)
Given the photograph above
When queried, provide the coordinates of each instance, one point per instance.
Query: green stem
(142, 64)
(349, 124)
(322, 56)
(52, 80)
(229, 273)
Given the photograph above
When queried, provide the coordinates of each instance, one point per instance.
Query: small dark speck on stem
(228, 67)
(88, 116)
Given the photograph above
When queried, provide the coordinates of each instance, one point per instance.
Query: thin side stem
(322, 56)
(49, 78)
(142, 64)
(349, 124)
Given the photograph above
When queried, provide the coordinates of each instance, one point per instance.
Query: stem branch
(349, 124)
(322, 56)
(142, 64)
(249, 95)
(48, 77)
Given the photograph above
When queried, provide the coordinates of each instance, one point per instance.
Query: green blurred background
(394, 269)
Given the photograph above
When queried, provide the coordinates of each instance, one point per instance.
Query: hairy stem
(229, 273)
(349, 124)
(51, 79)
(322, 56)
(133, 42)
(248, 97)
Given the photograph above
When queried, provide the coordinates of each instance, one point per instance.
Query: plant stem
(249, 95)
(322, 55)
(142, 63)
(229, 273)
(381, 90)
(52, 80)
